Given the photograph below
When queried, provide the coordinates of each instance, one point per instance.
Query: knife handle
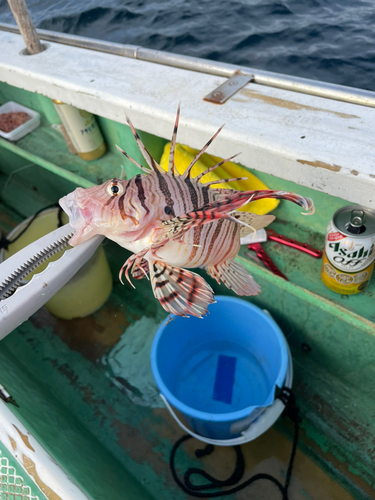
(257, 247)
(303, 247)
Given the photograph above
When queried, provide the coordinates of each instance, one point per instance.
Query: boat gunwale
(307, 86)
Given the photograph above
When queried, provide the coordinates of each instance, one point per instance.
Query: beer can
(349, 251)
(83, 130)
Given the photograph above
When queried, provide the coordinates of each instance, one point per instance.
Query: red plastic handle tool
(303, 247)
(257, 247)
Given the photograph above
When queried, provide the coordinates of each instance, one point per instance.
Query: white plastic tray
(23, 129)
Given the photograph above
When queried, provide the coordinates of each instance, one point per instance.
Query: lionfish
(172, 222)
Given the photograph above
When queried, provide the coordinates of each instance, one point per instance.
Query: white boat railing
(217, 68)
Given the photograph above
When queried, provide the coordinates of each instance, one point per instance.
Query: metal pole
(23, 19)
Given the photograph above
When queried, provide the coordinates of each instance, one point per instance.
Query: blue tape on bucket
(224, 379)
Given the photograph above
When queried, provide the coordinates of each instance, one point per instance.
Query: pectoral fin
(140, 270)
(227, 201)
(179, 291)
(254, 221)
(175, 228)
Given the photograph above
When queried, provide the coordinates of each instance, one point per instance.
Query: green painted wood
(28, 187)
(304, 274)
(33, 158)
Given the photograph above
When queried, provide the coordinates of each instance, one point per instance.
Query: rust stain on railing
(31, 470)
(321, 164)
(24, 438)
(284, 103)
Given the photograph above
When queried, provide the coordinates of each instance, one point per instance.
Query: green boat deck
(102, 420)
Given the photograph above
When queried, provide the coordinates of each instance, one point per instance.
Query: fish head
(95, 210)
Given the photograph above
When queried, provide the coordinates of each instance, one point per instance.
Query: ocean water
(327, 40)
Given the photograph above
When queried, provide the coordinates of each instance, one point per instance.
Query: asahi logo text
(350, 256)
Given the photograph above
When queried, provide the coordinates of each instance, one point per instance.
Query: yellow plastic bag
(184, 156)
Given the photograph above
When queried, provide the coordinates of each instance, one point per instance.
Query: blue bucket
(221, 372)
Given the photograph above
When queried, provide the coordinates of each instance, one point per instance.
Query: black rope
(291, 411)
(4, 242)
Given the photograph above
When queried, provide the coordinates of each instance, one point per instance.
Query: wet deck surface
(269, 454)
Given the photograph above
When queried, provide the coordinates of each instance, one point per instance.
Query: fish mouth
(79, 217)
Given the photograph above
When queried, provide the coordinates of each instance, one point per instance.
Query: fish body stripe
(123, 214)
(192, 192)
(197, 230)
(121, 204)
(215, 236)
(163, 185)
(232, 228)
(178, 184)
(141, 192)
(205, 195)
(104, 207)
(196, 239)
(217, 244)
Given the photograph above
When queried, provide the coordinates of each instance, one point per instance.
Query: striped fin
(175, 228)
(198, 177)
(187, 172)
(140, 269)
(180, 291)
(221, 181)
(147, 170)
(171, 167)
(227, 200)
(133, 262)
(219, 209)
(306, 203)
(255, 221)
(146, 155)
(235, 277)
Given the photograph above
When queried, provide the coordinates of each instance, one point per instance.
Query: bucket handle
(247, 435)
(224, 442)
(256, 428)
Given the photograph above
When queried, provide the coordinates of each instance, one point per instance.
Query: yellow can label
(344, 282)
(347, 262)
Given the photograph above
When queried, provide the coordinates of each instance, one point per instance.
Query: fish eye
(114, 188)
(168, 210)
